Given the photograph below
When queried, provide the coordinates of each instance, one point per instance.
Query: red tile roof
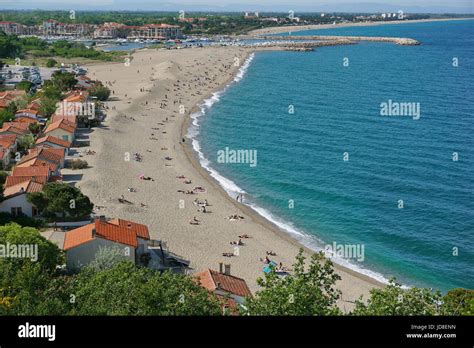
(62, 124)
(16, 124)
(119, 231)
(30, 171)
(14, 180)
(39, 163)
(54, 140)
(70, 118)
(213, 280)
(55, 155)
(17, 129)
(28, 186)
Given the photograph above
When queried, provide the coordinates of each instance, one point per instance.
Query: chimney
(221, 267)
(227, 269)
(93, 232)
(102, 218)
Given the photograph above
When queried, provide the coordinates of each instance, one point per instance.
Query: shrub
(78, 164)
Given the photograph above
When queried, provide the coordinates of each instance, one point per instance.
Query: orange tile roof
(70, 118)
(62, 124)
(213, 280)
(38, 163)
(53, 155)
(25, 119)
(8, 136)
(28, 186)
(18, 130)
(7, 143)
(30, 171)
(13, 180)
(119, 231)
(54, 140)
(17, 125)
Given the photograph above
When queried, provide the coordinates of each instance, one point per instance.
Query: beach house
(82, 244)
(53, 158)
(61, 129)
(53, 142)
(15, 198)
(27, 116)
(229, 289)
(39, 174)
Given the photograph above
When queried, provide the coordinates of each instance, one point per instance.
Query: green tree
(24, 85)
(395, 300)
(51, 63)
(63, 199)
(101, 92)
(459, 302)
(48, 106)
(34, 128)
(63, 80)
(24, 279)
(25, 142)
(126, 289)
(50, 91)
(307, 291)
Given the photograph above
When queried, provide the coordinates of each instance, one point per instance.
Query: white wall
(85, 253)
(17, 201)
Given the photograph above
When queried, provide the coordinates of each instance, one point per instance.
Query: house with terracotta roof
(71, 118)
(39, 174)
(61, 129)
(16, 128)
(82, 244)
(15, 198)
(53, 142)
(53, 158)
(8, 96)
(8, 146)
(27, 113)
(229, 289)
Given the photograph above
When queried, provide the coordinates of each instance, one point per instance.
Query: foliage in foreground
(307, 291)
(113, 286)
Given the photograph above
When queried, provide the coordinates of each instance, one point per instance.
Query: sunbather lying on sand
(239, 242)
(244, 236)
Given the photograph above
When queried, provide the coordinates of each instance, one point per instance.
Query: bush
(101, 92)
(22, 220)
(78, 164)
(51, 63)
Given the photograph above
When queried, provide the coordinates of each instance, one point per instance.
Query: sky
(435, 6)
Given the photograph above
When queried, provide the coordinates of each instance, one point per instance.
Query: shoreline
(203, 244)
(193, 158)
(286, 29)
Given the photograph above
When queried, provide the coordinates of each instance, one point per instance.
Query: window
(16, 211)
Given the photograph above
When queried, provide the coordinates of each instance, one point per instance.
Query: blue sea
(331, 169)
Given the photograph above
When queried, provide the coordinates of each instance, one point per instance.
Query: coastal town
(99, 154)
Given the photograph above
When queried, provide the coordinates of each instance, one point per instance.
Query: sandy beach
(145, 116)
(286, 29)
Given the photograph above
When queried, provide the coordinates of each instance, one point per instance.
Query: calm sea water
(300, 156)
